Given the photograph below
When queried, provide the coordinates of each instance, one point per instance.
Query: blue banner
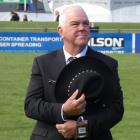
(111, 42)
(137, 43)
(46, 42)
(29, 42)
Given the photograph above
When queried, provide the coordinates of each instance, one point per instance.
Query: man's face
(76, 30)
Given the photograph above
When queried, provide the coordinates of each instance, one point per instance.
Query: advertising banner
(29, 42)
(46, 42)
(137, 43)
(111, 42)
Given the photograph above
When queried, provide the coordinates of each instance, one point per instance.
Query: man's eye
(74, 24)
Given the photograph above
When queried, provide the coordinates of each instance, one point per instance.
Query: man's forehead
(76, 17)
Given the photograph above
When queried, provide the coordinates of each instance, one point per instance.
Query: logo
(107, 42)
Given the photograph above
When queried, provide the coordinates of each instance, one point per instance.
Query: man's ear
(59, 30)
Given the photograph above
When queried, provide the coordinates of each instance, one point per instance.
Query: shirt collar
(67, 55)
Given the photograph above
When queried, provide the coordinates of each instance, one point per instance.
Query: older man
(56, 120)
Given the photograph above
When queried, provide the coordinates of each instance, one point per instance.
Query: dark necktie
(71, 59)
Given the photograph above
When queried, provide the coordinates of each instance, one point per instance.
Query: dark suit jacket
(41, 105)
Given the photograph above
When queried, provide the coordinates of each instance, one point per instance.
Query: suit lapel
(58, 63)
(89, 52)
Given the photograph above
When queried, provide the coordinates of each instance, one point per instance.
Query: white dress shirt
(67, 55)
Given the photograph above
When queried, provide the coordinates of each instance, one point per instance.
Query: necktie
(71, 59)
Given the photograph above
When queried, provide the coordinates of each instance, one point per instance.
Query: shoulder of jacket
(46, 56)
(110, 61)
(107, 57)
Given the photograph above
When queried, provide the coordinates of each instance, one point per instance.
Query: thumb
(57, 126)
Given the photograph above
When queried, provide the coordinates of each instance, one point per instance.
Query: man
(53, 118)
(57, 15)
(14, 16)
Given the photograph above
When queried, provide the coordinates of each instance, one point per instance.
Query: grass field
(51, 26)
(15, 71)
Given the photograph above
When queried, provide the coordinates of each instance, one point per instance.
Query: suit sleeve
(35, 105)
(110, 114)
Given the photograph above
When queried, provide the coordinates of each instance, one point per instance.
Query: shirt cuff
(64, 118)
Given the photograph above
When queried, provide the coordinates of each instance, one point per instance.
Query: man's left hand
(67, 129)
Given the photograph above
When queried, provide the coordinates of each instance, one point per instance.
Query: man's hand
(68, 129)
(74, 106)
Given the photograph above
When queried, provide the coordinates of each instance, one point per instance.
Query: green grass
(7, 26)
(15, 71)
(119, 27)
(27, 26)
(129, 68)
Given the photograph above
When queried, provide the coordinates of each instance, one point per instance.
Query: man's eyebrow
(78, 21)
(74, 21)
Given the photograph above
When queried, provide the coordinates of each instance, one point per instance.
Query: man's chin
(83, 43)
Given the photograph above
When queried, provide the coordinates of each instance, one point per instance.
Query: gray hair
(63, 14)
(62, 19)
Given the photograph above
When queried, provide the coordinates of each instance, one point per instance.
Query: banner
(29, 42)
(137, 43)
(111, 42)
(11, 1)
(46, 42)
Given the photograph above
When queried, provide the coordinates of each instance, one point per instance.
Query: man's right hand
(74, 106)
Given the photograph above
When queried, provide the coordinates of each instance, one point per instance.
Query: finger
(74, 95)
(81, 99)
(59, 126)
(61, 131)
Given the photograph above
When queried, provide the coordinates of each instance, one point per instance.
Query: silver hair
(62, 17)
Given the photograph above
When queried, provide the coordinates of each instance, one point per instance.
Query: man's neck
(74, 50)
